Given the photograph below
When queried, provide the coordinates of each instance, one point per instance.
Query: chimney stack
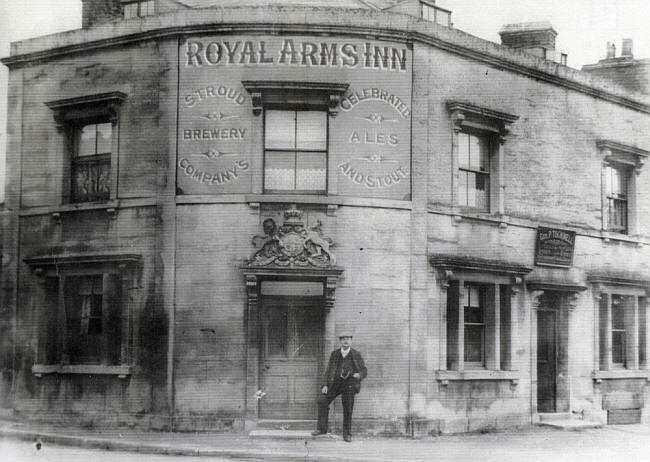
(626, 51)
(632, 74)
(611, 51)
(537, 38)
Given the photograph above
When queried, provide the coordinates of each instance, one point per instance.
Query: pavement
(627, 442)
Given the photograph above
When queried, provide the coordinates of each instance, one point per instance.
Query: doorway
(291, 350)
(546, 360)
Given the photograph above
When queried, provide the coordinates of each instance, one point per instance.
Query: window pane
(473, 296)
(474, 343)
(279, 171)
(280, 130)
(147, 8)
(91, 179)
(311, 171)
(131, 10)
(277, 330)
(463, 150)
(480, 192)
(311, 130)
(104, 132)
(87, 140)
(478, 157)
(618, 312)
(618, 347)
(442, 18)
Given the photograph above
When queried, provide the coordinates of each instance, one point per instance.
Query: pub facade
(200, 195)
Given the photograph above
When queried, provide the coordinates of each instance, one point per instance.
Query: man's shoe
(317, 433)
(347, 438)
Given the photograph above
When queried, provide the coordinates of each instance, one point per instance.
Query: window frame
(635, 331)
(629, 161)
(54, 273)
(505, 280)
(494, 127)
(96, 159)
(616, 198)
(151, 8)
(295, 95)
(467, 300)
(488, 141)
(295, 109)
(430, 6)
(70, 115)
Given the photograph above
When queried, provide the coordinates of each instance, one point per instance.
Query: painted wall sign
(221, 142)
(554, 247)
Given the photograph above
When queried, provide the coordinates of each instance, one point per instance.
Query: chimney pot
(611, 51)
(627, 48)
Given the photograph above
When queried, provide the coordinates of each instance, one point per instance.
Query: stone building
(199, 193)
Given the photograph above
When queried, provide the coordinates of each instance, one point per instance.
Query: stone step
(570, 424)
(283, 434)
(548, 416)
(285, 424)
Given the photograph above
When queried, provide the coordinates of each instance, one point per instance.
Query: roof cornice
(396, 27)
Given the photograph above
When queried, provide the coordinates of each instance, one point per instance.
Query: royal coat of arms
(292, 244)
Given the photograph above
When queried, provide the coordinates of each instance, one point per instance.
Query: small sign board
(554, 247)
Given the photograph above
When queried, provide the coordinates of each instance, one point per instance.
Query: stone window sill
(444, 377)
(599, 376)
(87, 369)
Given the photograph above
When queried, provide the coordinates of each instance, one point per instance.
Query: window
(622, 331)
(478, 326)
(616, 187)
(91, 162)
(138, 9)
(436, 14)
(92, 306)
(473, 321)
(85, 311)
(88, 126)
(474, 174)
(295, 150)
(478, 157)
(621, 166)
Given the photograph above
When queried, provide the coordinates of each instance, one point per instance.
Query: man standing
(345, 371)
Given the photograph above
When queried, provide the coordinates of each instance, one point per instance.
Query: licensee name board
(554, 247)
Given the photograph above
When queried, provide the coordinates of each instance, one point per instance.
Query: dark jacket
(332, 366)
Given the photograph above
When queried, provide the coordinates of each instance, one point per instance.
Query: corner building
(200, 194)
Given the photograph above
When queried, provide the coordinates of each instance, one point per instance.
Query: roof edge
(363, 23)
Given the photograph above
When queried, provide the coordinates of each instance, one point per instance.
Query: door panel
(546, 361)
(291, 355)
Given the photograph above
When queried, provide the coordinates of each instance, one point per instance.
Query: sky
(584, 27)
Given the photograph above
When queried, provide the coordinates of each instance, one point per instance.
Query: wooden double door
(292, 345)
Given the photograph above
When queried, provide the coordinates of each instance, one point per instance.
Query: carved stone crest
(292, 245)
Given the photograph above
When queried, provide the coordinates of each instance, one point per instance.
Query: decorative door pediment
(292, 251)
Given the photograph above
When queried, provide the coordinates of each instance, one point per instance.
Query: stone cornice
(616, 146)
(379, 25)
(454, 262)
(481, 111)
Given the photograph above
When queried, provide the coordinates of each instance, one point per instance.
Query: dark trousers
(345, 388)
